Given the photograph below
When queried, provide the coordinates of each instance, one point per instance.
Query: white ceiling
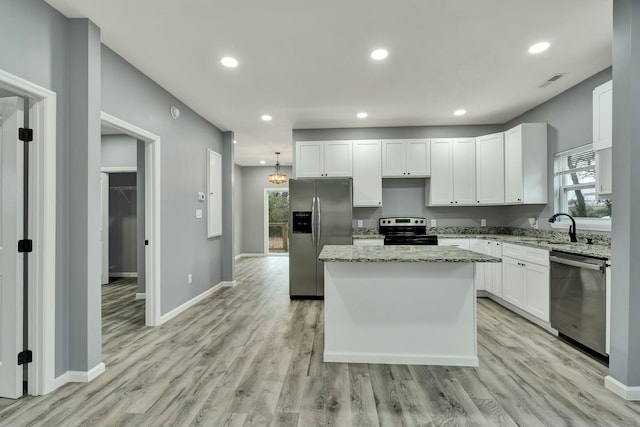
(307, 63)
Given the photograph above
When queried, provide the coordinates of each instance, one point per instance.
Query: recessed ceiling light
(460, 112)
(362, 115)
(229, 62)
(262, 162)
(539, 47)
(266, 118)
(235, 142)
(379, 54)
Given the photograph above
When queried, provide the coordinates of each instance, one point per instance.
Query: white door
(10, 261)
(441, 187)
(418, 161)
(338, 159)
(488, 267)
(603, 116)
(476, 245)
(367, 174)
(309, 159)
(214, 199)
(536, 296)
(490, 169)
(393, 158)
(513, 281)
(496, 251)
(104, 231)
(514, 173)
(464, 171)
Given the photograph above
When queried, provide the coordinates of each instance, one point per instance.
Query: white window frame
(582, 223)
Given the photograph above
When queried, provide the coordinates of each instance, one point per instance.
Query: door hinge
(25, 245)
(146, 243)
(25, 357)
(25, 134)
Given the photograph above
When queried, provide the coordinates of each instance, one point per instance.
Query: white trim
(42, 270)
(574, 150)
(231, 284)
(152, 213)
(60, 381)
(265, 222)
(250, 255)
(401, 359)
(118, 169)
(622, 390)
(193, 301)
(124, 274)
(86, 376)
(141, 295)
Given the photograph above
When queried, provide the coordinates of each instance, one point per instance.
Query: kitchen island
(400, 304)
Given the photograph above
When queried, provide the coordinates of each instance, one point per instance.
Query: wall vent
(554, 78)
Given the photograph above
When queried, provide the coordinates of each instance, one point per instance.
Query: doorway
(276, 221)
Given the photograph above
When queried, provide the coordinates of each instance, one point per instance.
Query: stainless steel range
(406, 231)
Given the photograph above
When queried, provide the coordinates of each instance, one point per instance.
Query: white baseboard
(141, 295)
(249, 255)
(530, 317)
(230, 284)
(401, 359)
(124, 274)
(193, 301)
(85, 376)
(622, 390)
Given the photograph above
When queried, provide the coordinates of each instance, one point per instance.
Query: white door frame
(42, 218)
(266, 219)
(152, 212)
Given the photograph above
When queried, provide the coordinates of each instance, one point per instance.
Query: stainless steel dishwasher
(578, 299)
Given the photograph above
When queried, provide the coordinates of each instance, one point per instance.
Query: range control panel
(400, 221)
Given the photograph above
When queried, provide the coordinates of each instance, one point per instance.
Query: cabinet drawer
(526, 254)
(513, 251)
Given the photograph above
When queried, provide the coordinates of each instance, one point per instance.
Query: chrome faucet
(572, 228)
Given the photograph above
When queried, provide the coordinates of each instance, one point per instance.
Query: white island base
(412, 313)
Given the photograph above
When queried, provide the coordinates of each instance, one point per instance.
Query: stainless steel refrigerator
(319, 214)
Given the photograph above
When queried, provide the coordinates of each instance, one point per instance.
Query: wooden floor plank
(248, 356)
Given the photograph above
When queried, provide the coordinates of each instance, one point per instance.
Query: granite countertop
(598, 251)
(367, 236)
(349, 253)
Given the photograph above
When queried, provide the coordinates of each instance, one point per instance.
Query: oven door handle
(572, 263)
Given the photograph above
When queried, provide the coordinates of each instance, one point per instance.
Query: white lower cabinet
(525, 283)
(488, 276)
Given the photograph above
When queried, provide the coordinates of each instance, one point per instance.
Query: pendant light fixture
(277, 177)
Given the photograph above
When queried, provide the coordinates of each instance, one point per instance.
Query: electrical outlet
(198, 213)
(483, 222)
(360, 223)
(189, 278)
(433, 223)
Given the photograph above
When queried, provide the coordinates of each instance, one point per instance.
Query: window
(575, 175)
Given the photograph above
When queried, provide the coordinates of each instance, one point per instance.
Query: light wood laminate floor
(247, 356)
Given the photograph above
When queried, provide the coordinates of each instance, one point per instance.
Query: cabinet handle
(451, 202)
(408, 173)
(478, 201)
(379, 203)
(456, 201)
(519, 200)
(404, 173)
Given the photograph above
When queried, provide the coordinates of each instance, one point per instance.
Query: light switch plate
(198, 213)
(189, 278)
(483, 222)
(433, 222)
(360, 223)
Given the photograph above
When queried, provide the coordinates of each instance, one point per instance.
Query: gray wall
(406, 197)
(254, 181)
(238, 213)
(131, 96)
(570, 119)
(122, 223)
(118, 151)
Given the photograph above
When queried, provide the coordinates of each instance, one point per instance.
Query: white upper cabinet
(317, 159)
(603, 116)
(367, 174)
(406, 158)
(490, 169)
(526, 164)
(604, 172)
(453, 172)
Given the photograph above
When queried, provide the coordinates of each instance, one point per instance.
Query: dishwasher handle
(585, 265)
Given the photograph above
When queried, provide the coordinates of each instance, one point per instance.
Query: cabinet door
(394, 158)
(490, 169)
(514, 174)
(441, 189)
(418, 158)
(367, 173)
(477, 245)
(309, 159)
(496, 251)
(338, 159)
(488, 267)
(464, 171)
(603, 116)
(604, 172)
(536, 296)
(214, 199)
(513, 281)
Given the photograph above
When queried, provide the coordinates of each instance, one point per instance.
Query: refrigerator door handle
(313, 221)
(319, 221)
